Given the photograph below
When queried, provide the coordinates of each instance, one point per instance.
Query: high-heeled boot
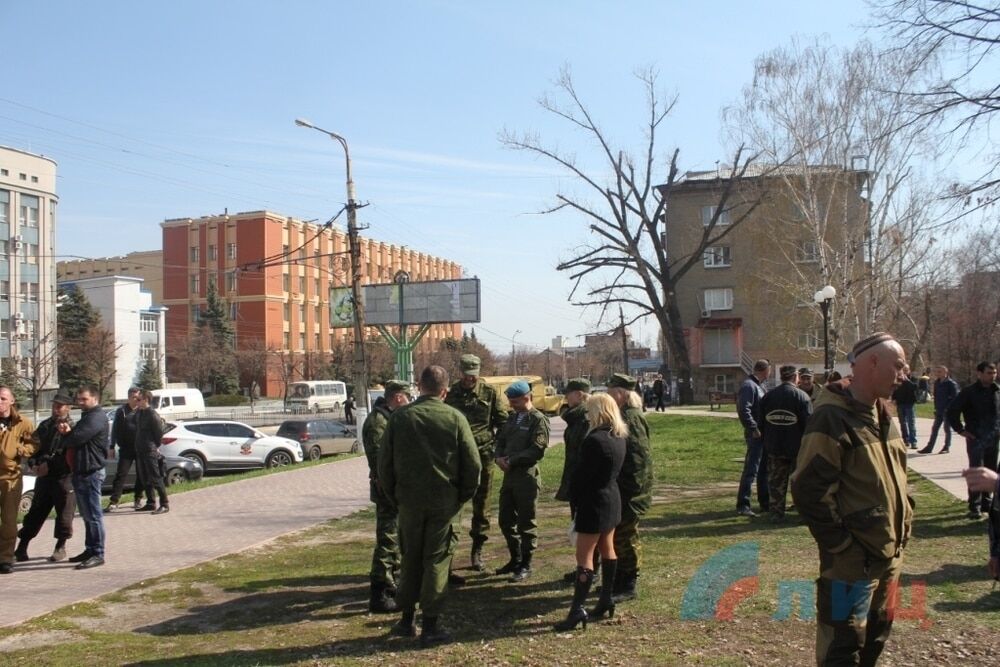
(606, 603)
(577, 614)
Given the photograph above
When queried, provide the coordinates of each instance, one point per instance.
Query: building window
(718, 299)
(809, 340)
(286, 283)
(29, 292)
(316, 287)
(302, 253)
(194, 253)
(29, 211)
(302, 314)
(317, 343)
(4, 290)
(724, 383)
(806, 251)
(717, 256)
(4, 207)
(234, 311)
(150, 352)
(287, 313)
(23, 177)
(195, 314)
(284, 250)
(4, 249)
(147, 323)
(4, 172)
(708, 212)
(286, 340)
(302, 285)
(230, 281)
(196, 284)
(302, 341)
(4, 329)
(231, 250)
(317, 319)
(29, 252)
(34, 179)
(211, 253)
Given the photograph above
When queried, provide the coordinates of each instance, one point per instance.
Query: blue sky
(157, 110)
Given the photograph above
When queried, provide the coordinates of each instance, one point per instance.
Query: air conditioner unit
(16, 237)
(706, 313)
(18, 317)
(18, 245)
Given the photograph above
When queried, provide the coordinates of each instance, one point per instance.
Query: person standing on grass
(754, 462)
(979, 404)
(905, 398)
(148, 437)
(945, 391)
(575, 416)
(635, 483)
(428, 466)
(385, 557)
(850, 488)
(659, 390)
(784, 411)
(595, 495)
(17, 444)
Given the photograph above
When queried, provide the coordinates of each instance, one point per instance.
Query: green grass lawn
(302, 599)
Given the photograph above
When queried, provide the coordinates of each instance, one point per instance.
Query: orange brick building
(285, 305)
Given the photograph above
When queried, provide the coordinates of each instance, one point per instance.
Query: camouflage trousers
(426, 543)
(481, 501)
(627, 545)
(779, 469)
(385, 558)
(854, 594)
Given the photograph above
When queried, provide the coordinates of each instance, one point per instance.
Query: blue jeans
(940, 417)
(88, 500)
(908, 423)
(754, 466)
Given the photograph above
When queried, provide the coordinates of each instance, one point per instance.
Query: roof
(756, 170)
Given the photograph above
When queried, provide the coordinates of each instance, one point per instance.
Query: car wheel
(279, 458)
(175, 476)
(356, 447)
(315, 453)
(25, 503)
(197, 458)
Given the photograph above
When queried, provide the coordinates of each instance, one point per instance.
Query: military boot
(477, 555)
(432, 633)
(627, 591)
(524, 571)
(514, 563)
(379, 602)
(404, 626)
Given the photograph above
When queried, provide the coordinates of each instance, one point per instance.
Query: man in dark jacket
(385, 558)
(783, 411)
(984, 480)
(979, 404)
(905, 398)
(53, 484)
(945, 391)
(123, 435)
(428, 465)
(88, 440)
(754, 463)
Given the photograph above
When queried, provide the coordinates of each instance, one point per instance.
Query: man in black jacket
(905, 398)
(945, 391)
(123, 435)
(783, 411)
(53, 484)
(979, 404)
(754, 464)
(88, 440)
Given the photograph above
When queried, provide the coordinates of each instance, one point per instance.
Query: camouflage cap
(470, 364)
(623, 381)
(578, 384)
(395, 386)
(518, 389)
(805, 373)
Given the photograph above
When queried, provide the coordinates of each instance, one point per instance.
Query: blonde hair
(634, 400)
(602, 410)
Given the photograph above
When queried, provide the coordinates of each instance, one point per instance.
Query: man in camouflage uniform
(385, 559)
(485, 412)
(428, 466)
(521, 445)
(635, 483)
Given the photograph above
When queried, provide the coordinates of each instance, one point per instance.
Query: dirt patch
(38, 639)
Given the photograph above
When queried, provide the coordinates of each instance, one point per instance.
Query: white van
(316, 395)
(178, 403)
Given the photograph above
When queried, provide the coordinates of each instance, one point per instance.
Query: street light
(361, 363)
(824, 298)
(513, 350)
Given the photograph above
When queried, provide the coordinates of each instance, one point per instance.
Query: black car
(178, 469)
(320, 436)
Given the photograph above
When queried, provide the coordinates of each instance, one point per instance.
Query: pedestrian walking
(979, 405)
(659, 391)
(905, 398)
(149, 461)
(945, 391)
(123, 435)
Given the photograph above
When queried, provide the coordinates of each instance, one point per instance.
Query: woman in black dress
(594, 493)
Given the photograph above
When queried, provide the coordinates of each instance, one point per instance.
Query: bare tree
(40, 367)
(856, 211)
(253, 359)
(624, 204)
(99, 358)
(962, 39)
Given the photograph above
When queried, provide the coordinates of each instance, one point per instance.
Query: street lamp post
(513, 351)
(824, 298)
(360, 360)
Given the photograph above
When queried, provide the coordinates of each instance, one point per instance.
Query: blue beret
(518, 389)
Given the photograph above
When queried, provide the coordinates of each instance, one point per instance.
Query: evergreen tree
(9, 378)
(224, 375)
(76, 319)
(149, 375)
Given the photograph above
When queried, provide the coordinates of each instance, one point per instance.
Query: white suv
(227, 445)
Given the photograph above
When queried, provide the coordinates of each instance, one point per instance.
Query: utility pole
(621, 323)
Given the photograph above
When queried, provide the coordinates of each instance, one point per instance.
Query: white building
(27, 265)
(138, 326)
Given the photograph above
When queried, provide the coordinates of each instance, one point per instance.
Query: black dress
(594, 488)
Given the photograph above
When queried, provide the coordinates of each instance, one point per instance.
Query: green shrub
(225, 400)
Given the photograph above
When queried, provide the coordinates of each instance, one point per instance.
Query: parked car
(319, 437)
(228, 445)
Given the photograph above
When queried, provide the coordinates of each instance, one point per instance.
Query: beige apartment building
(145, 264)
(751, 295)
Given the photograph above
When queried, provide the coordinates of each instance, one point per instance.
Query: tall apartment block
(751, 295)
(276, 274)
(27, 264)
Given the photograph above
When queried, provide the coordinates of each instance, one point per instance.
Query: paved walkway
(945, 470)
(202, 525)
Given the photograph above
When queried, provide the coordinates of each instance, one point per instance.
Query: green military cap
(395, 386)
(623, 381)
(578, 384)
(470, 364)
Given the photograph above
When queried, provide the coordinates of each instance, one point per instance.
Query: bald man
(850, 488)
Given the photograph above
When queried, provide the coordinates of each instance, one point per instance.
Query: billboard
(341, 307)
(431, 302)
